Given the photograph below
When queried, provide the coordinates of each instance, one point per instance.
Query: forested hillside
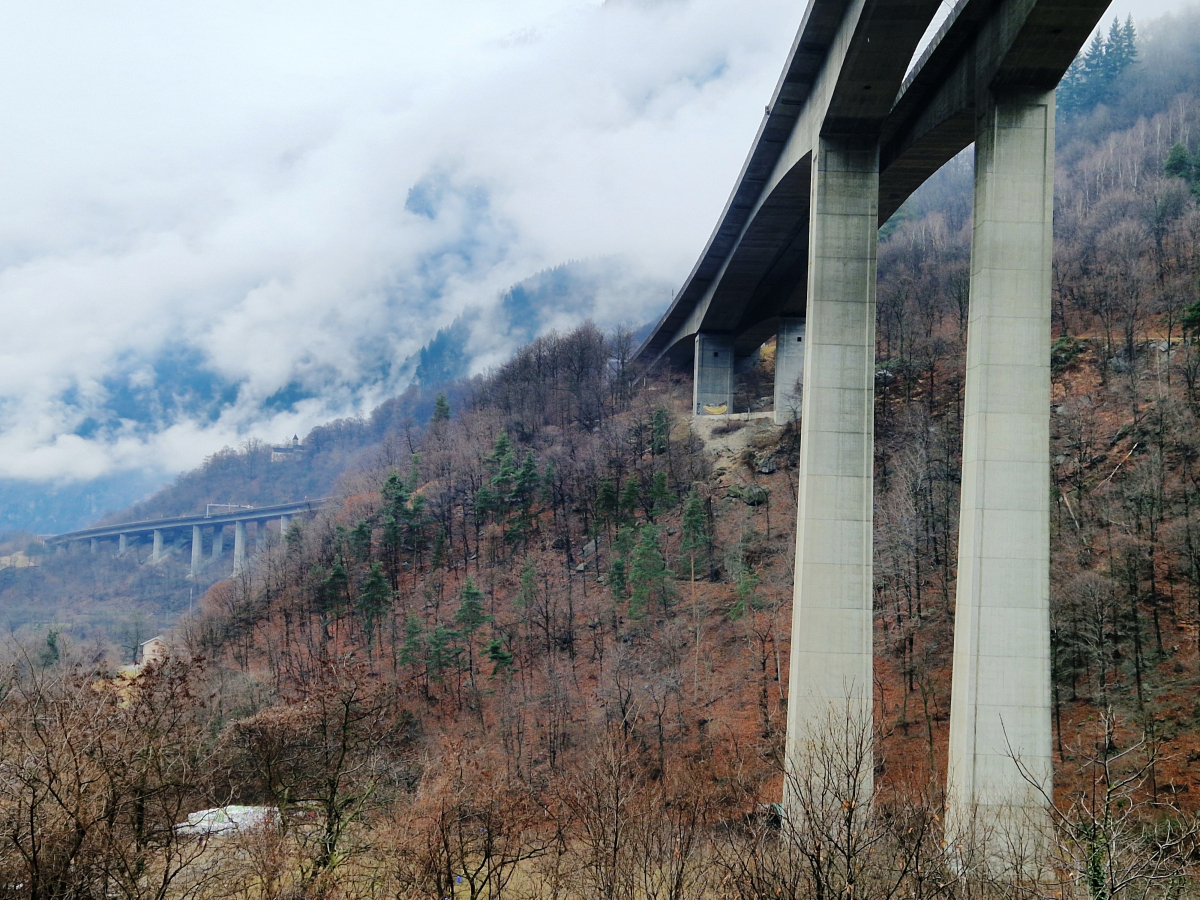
(538, 643)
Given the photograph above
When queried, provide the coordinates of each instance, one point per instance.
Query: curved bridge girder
(848, 59)
(982, 47)
(845, 76)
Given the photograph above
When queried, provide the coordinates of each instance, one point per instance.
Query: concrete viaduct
(164, 533)
(855, 125)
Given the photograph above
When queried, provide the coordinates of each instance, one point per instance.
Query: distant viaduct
(165, 533)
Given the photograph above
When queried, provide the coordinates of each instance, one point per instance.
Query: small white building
(155, 650)
(287, 452)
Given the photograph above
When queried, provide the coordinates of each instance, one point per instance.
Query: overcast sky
(202, 204)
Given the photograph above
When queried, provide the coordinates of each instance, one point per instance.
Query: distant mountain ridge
(558, 297)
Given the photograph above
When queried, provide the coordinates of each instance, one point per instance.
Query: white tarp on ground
(226, 819)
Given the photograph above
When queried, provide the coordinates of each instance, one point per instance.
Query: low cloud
(220, 222)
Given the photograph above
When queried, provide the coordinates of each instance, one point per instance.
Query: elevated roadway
(848, 74)
(192, 529)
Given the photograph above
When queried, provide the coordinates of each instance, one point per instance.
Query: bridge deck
(149, 526)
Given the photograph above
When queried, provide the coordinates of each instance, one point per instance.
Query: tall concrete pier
(832, 607)
(1000, 703)
(789, 369)
(712, 385)
(197, 548)
(239, 547)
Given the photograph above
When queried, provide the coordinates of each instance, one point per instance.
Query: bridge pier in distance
(218, 541)
(712, 381)
(239, 547)
(831, 658)
(284, 523)
(122, 545)
(789, 370)
(156, 553)
(95, 545)
(197, 548)
(1000, 699)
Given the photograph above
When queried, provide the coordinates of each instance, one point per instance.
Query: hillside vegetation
(538, 646)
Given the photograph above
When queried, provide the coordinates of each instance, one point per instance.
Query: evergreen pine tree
(618, 570)
(413, 647)
(373, 600)
(660, 432)
(747, 593)
(525, 482)
(649, 577)
(360, 541)
(335, 588)
(607, 501)
(395, 495)
(49, 654)
(1095, 72)
(1084, 84)
(441, 409)
(1067, 97)
(661, 498)
(695, 528)
(502, 659)
(528, 591)
(470, 616)
(1179, 164)
(486, 502)
(1121, 49)
(629, 499)
(504, 465)
(418, 521)
(441, 651)
(617, 582)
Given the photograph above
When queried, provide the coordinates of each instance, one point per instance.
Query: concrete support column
(712, 384)
(239, 547)
(218, 547)
(260, 535)
(156, 554)
(284, 523)
(789, 370)
(197, 548)
(831, 672)
(122, 545)
(1000, 701)
(95, 545)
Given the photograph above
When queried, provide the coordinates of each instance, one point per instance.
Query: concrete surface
(1000, 702)
(789, 370)
(831, 661)
(712, 375)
